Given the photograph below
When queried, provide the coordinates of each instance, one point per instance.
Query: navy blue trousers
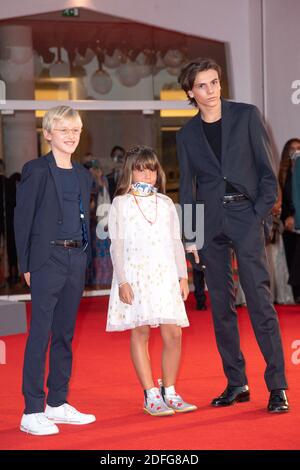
(56, 290)
(243, 232)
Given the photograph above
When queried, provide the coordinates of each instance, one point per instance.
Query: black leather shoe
(278, 402)
(232, 395)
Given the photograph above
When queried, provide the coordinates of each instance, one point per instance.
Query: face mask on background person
(295, 154)
(118, 158)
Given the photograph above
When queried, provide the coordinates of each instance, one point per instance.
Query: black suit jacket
(288, 208)
(246, 164)
(39, 210)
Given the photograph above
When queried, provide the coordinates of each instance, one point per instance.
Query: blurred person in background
(8, 260)
(86, 160)
(289, 178)
(99, 271)
(281, 291)
(13, 279)
(117, 155)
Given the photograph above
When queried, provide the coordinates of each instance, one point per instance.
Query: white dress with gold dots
(150, 257)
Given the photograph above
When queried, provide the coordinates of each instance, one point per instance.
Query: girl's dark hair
(285, 161)
(189, 72)
(140, 157)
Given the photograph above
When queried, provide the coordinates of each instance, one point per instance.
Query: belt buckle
(66, 243)
(233, 197)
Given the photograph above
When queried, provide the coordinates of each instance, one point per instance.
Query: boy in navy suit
(52, 239)
(225, 147)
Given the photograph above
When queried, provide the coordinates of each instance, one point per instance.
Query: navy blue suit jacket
(39, 210)
(246, 163)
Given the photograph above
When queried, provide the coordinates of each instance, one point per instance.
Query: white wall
(282, 67)
(230, 21)
(253, 68)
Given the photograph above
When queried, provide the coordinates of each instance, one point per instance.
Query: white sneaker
(38, 424)
(154, 403)
(175, 401)
(67, 414)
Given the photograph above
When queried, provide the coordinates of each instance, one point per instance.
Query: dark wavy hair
(189, 72)
(285, 161)
(140, 157)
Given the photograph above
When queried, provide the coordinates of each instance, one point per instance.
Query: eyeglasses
(65, 131)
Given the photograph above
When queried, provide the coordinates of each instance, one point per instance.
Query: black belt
(234, 197)
(68, 243)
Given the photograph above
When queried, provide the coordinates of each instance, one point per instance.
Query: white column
(17, 71)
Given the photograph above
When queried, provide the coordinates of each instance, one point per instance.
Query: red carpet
(104, 383)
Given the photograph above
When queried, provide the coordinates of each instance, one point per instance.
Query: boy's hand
(184, 288)
(192, 249)
(289, 223)
(276, 209)
(126, 294)
(27, 278)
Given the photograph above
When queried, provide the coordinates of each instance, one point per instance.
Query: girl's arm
(116, 234)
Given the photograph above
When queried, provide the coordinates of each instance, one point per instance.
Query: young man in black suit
(52, 239)
(226, 148)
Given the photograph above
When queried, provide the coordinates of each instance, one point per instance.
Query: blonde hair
(140, 157)
(57, 113)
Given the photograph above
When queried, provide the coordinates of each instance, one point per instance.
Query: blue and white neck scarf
(143, 189)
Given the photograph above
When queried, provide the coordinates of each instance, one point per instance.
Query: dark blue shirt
(71, 228)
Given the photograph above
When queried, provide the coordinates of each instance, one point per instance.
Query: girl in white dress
(150, 279)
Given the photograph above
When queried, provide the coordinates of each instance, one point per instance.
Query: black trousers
(292, 250)
(242, 230)
(56, 290)
(199, 284)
